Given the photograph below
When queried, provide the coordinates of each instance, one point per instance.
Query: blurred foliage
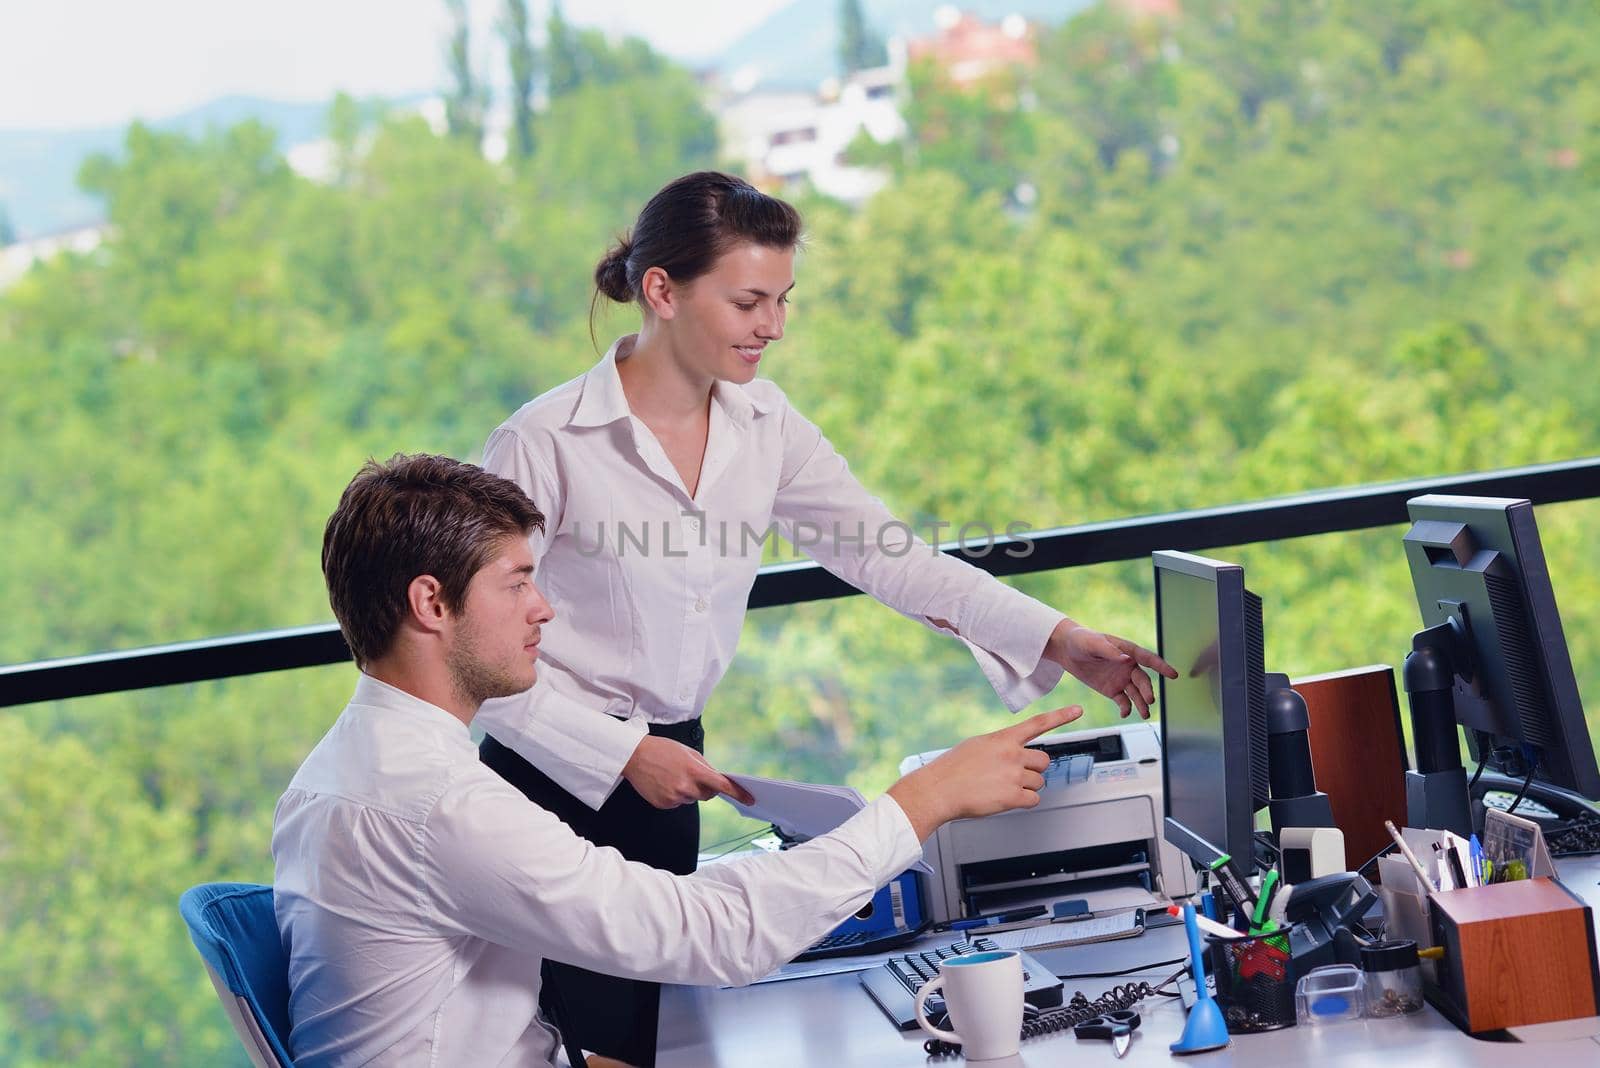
(1264, 248)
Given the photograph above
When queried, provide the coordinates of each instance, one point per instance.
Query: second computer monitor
(1213, 715)
(1479, 572)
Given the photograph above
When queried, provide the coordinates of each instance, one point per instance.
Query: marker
(1209, 926)
(1258, 921)
(1017, 916)
(1233, 881)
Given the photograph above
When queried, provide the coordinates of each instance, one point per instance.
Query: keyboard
(894, 986)
(857, 943)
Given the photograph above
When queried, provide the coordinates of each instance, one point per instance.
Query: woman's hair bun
(611, 273)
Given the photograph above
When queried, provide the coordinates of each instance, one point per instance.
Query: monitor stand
(1295, 800)
(1436, 792)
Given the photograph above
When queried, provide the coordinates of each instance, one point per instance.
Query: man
(418, 892)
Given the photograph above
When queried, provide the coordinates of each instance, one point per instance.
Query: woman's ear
(659, 293)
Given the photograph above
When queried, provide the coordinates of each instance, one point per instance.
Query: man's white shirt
(417, 894)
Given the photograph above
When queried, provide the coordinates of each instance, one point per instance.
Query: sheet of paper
(798, 809)
(831, 966)
(801, 809)
(1045, 935)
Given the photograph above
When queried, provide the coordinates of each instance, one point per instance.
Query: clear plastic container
(1330, 994)
(1393, 985)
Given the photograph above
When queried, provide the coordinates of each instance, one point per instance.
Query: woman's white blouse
(650, 585)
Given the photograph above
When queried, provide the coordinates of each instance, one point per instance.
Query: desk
(830, 1022)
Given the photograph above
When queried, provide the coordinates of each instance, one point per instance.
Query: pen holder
(1514, 953)
(1255, 981)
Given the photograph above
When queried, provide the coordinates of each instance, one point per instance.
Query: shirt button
(700, 605)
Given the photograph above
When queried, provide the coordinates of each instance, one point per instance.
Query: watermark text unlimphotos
(893, 538)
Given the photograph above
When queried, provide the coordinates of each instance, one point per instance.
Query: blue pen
(992, 921)
(1475, 850)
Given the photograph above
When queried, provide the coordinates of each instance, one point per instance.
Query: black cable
(1080, 1008)
(1475, 776)
(1485, 744)
(1124, 971)
(739, 838)
(1076, 1011)
(1385, 851)
(737, 843)
(1524, 791)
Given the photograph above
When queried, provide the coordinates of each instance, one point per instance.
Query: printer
(1097, 826)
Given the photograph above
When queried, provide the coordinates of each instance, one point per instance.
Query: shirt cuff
(1008, 642)
(883, 832)
(583, 750)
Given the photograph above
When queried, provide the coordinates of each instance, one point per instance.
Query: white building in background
(17, 258)
(788, 138)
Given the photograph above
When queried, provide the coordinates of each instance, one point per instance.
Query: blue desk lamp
(1205, 1028)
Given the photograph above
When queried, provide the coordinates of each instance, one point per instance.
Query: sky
(70, 63)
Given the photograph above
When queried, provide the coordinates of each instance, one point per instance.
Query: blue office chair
(234, 929)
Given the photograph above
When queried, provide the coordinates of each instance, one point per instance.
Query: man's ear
(427, 608)
(659, 293)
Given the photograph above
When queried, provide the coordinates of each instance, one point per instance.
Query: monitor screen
(1213, 717)
(1191, 706)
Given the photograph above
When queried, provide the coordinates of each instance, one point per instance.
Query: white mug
(983, 994)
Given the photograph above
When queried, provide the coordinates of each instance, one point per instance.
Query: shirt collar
(375, 693)
(602, 401)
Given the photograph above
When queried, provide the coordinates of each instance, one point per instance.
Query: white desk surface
(830, 1022)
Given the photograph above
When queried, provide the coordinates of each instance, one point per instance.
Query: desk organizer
(1255, 981)
(1514, 953)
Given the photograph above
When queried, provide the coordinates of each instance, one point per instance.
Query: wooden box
(1514, 954)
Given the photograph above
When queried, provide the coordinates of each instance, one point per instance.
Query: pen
(1461, 851)
(1015, 916)
(1452, 861)
(1422, 873)
(1209, 926)
(1480, 873)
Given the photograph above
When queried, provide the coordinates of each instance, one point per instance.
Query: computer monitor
(1491, 657)
(1213, 715)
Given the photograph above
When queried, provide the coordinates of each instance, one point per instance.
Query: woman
(660, 470)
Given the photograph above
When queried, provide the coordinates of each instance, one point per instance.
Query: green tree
(564, 59)
(522, 60)
(859, 47)
(466, 99)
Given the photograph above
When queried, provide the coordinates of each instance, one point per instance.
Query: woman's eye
(744, 307)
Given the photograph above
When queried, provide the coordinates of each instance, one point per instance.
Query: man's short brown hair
(414, 515)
